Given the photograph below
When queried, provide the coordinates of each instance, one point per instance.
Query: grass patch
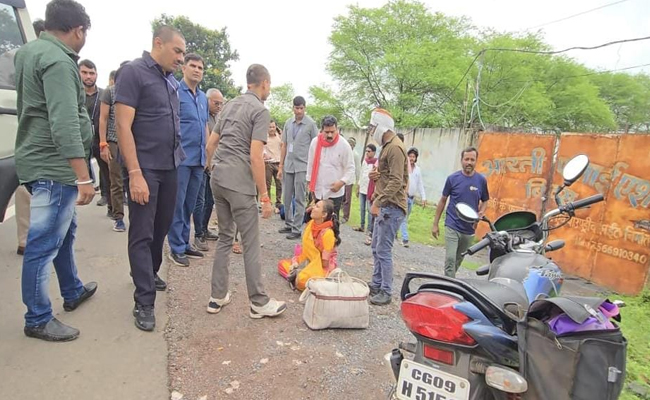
(471, 265)
(636, 331)
(419, 223)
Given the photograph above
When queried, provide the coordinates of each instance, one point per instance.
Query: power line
(578, 75)
(576, 15)
(570, 48)
(483, 51)
(515, 97)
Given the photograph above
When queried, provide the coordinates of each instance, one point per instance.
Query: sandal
(236, 248)
(358, 229)
(291, 278)
(368, 241)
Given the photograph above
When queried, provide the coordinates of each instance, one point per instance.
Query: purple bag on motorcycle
(562, 324)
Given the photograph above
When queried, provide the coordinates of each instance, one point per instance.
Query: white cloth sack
(336, 301)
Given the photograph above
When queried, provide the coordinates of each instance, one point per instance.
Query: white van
(15, 30)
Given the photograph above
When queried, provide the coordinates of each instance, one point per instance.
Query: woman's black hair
(328, 208)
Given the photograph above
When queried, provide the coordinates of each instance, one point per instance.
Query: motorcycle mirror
(467, 213)
(574, 169)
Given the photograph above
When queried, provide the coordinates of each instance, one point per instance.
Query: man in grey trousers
(298, 133)
(238, 174)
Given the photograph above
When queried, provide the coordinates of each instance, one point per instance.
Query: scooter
(466, 344)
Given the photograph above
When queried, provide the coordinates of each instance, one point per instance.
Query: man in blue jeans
(194, 136)
(416, 186)
(388, 203)
(205, 200)
(52, 146)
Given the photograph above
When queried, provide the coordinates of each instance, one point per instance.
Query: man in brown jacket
(388, 203)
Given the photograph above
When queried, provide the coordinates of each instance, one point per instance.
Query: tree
(213, 46)
(10, 36)
(325, 102)
(280, 103)
(403, 58)
(628, 96)
(511, 92)
(576, 101)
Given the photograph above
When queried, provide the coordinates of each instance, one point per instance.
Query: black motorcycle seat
(501, 291)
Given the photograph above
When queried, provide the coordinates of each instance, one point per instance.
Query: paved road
(111, 359)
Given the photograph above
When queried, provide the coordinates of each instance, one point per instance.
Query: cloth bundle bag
(336, 301)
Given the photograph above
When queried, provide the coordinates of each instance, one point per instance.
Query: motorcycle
(466, 328)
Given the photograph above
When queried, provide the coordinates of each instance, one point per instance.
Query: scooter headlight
(505, 379)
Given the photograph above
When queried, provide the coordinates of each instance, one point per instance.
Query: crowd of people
(173, 153)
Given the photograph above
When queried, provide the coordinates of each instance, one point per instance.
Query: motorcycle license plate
(419, 382)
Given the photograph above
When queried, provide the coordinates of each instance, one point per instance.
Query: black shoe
(286, 229)
(193, 253)
(145, 318)
(293, 236)
(89, 290)
(381, 299)
(179, 259)
(161, 285)
(53, 331)
(209, 235)
(102, 201)
(373, 290)
(20, 251)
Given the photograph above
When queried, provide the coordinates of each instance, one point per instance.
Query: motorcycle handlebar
(478, 246)
(597, 198)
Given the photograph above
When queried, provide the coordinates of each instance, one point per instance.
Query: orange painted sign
(609, 243)
(518, 168)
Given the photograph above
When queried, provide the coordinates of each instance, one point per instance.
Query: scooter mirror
(574, 169)
(467, 213)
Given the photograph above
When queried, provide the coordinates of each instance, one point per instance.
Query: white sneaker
(272, 309)
(215, 305)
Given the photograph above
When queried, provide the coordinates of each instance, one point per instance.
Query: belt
(272, 162)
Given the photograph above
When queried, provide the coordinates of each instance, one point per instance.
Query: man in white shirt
(416, 186)
(330, 165)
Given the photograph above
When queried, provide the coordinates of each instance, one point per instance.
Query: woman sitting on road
(320, 241)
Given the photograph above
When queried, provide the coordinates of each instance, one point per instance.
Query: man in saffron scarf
(330, 165)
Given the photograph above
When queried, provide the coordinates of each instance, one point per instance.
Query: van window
(11, 38)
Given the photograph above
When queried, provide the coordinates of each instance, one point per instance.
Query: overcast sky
(291, 40)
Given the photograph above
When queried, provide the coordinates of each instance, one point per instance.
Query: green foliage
(10, 36)
(628, 97)
(213, 46)
(325, 102)
(634, 323)
(280, 103)
(411, 61)
(402, 57)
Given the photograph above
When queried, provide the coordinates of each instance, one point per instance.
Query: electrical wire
(570, 48)
(515, 97)
(483, 51)
(579, 75)
(576, 15)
